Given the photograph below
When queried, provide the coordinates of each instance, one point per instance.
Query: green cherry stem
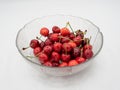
(39, 38)
(70, 27)
(85, 32)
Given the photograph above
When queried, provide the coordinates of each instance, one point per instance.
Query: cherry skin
(65, 57)
(48, 63)
(55, 64)
(43, 57)
(63, 64)
(80, 59)
(42, 44)
(44, 31)
(48, 42)
(34, 43)
(72, 36)
(65, 31)
(37, 50)
(67, 47)
(77, 40)
(87, 46)
(57, 47)
(56, 29)
(76, 52)
(55, 56)
(72, 44)
(54, 37)
(65, 39)
(72, 63)
(47, 49)
(88, 53)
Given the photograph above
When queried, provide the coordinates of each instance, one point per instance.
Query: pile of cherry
(62, 47)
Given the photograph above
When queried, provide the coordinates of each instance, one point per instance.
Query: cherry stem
(59, 39)
(39, 38)
(24, 48)
(81, 52)
(90, 38)
(85, 32)
(64, 37)
(70, 26)
(80, 46)
(30, 56)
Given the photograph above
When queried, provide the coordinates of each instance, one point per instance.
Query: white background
(17, 74)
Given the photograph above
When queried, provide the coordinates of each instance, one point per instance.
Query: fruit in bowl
(60, 47)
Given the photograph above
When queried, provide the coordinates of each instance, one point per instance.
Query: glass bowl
(31, 30)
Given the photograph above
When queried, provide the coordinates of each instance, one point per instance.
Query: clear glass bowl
(31, 30)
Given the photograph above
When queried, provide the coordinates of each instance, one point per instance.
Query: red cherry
(55, 64)
(48, 42)
(47, 50)
(42, 44)
(77, 40)
(55, 56)
(34, 43)
(88, 53)
(72, 63)
(67, 47)
(56, 29)
(44, 31)
(65, 57)
(87, 46)
(80, 59)
(57, 47)
(37, 50)
(43, 57)
(54, 37)
(72, 36)
(76, 52)
(65, 31)
(65, 39)
(72, 44)
(48, 63)
(63, 64)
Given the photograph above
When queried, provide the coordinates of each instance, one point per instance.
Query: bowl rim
(60, 15)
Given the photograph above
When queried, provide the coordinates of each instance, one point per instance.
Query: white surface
(17, 74)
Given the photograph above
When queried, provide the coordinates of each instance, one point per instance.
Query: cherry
(67, 47)
(88, 53)
(87, 46)
(47, 50)
(57, 47)
(55, 64)
(80, 59)
(65, 57)
(44, 31)
(65, 31)
(42, 44)
(56, 29)
(65, 39)
(77, 40)
(55, 56)
(33, 44)
(48, 42)
(72, 36)
(72, 44)
(72, 63)
(37, 50)
(48, 63)
(63, 64)
(54, 37)
(43, 57)
(76, 52)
